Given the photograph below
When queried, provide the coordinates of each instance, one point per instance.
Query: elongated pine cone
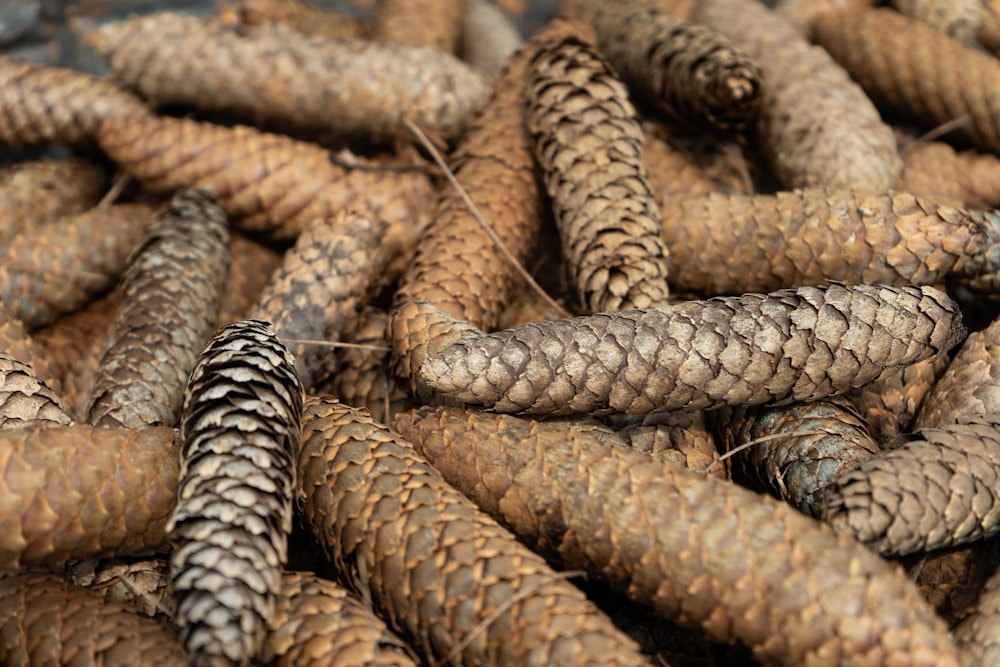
(451, 579)
(272, 74)
(170, 301)
(318, 623)
(703, 551)
(816, 126)
(731, 244)
(937, 488)
(46, 621)
(41, 105)
(588, 141)
(786, 346)
(37, 192)
(322, 283)
(56, 269)
(241, 427)
(911, 69)
(269, 184)
(84, 492)
(24, 399)
(684, 68)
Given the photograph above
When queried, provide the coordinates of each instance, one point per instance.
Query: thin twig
(938, 132)
(327, 343)
(122, 179)
(450, 175)
(747, 445)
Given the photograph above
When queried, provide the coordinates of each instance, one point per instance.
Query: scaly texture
(140, 582)
(959, 19)
(980, 178)
(801, 13)
(24, 399)
(673, 172)
(489, 36)
(241, 428)
(170, 301)
(931, 171)
(797, 451)
(890, 404)
(787, 346)
(979, 635)
(34, 193)
(588, 141)
(319, 624)
(436, 24)
(274, 75)
(457, 267)
(816, 126)
(912, 70)
(84, 492)
(304, 17)
(680, 437)
(703, 551)
(45, 621)
(316, 293)
(41, 105)
(685, 69)
(73, 346)
(971, 383)
(936, 489)
(16, 342)
(952, 580)
(251, 266)
(363, 378)
(47, 272)
(732, 244)
(269, 184)
(442, 572)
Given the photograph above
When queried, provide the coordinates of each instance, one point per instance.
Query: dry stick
(121, 181)
(947, 127)
(327, 343)
(751, 443)
(474, 210)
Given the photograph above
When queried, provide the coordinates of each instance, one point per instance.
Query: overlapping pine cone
(666, 252)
